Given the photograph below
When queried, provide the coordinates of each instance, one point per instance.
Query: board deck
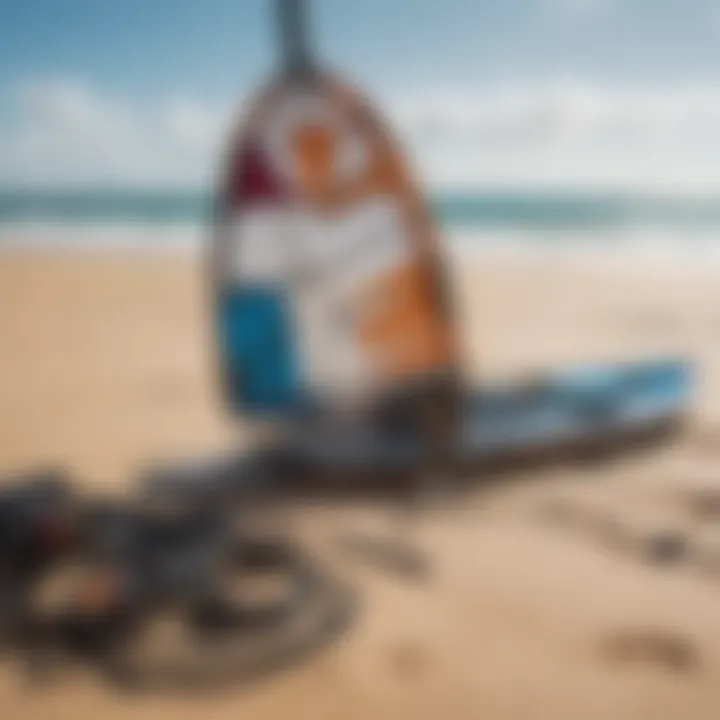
(582, 408)
(575, 407)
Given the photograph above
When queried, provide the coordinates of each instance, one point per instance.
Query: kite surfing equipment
(573, 412)
(238, 604)
(330, 295)
(332, 301)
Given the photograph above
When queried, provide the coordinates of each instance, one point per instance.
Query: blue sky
(505, 92)
(142, 47)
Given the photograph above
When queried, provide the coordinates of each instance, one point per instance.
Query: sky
(512, 93)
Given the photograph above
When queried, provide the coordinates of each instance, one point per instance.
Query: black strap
(294, 37)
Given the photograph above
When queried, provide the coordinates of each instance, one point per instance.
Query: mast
(294, 37)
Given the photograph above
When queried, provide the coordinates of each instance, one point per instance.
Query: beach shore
(106, 366)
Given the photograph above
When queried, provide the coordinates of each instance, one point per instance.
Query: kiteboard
(602, 409)
(330, 295)
(598, 407)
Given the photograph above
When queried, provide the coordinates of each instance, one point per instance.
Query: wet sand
(529, 613)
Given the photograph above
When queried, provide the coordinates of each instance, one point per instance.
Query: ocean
(180, 220)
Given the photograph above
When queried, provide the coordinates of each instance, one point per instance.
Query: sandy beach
(105, 367)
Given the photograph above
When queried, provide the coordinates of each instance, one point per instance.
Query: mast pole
(294, 36)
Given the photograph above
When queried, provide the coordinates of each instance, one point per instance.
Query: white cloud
(568, 133)
(62, 132)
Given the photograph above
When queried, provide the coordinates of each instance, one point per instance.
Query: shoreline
(640, 249)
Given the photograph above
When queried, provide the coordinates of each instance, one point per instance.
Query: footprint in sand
(168, 390)
(666, 547)
(703, 503)
(707, 440)
(659, 648)
(557, 512)
(408, 659)
(598, 523)
(649, 322)
(391, 554)
(662, 547)
(565, 514)
(708, 562)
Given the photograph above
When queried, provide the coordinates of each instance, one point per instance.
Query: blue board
(576, 407)
(502, 421)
